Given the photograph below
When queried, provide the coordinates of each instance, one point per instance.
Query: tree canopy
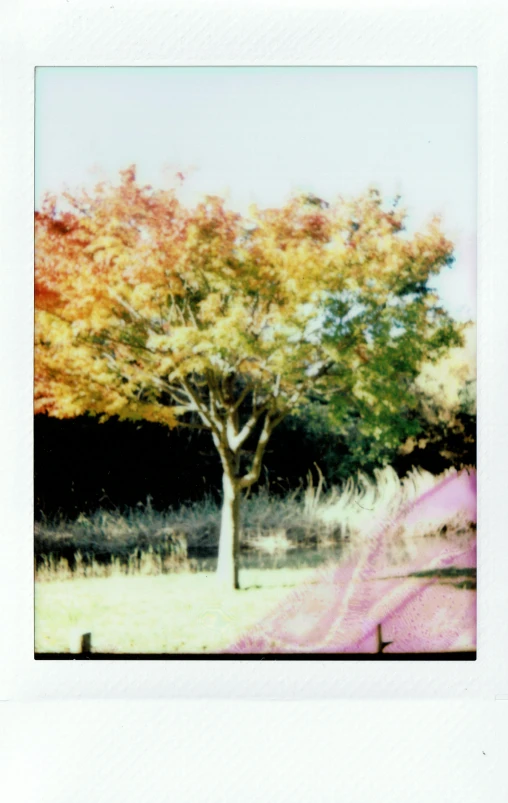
(205, 318)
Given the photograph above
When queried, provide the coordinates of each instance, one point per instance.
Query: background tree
(444, 414)
(202, 319)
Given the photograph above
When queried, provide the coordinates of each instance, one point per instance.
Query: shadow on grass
(255, 587)
(451, 575)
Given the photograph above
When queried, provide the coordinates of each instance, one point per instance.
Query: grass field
(131, 602)
(157, 614)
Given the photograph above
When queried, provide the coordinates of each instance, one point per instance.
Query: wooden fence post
(380, 643)
(80, 643)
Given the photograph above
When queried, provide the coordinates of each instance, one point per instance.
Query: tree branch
(214, 405)
(239, 438)
(188, 425)
(241, 398)
(201, 409)
(253, 475)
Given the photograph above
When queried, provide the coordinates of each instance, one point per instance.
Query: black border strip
(102, 656)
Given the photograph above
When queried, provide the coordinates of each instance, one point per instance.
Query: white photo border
(83, 33)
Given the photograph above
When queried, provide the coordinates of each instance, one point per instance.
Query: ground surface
(161, 614)
(187, 613)
(413, 574)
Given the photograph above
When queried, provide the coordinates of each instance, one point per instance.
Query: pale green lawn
(168, 613)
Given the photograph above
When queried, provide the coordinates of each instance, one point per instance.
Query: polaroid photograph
(239, 411)
(255, 362)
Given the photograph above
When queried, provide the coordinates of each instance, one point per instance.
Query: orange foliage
(201, 317)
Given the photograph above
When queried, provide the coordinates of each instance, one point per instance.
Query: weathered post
(380, 643)
(80, 642)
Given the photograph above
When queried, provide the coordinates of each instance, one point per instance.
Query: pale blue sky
(258, 134)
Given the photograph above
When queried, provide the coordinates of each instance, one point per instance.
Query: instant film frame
(476, 48)
(248, 353)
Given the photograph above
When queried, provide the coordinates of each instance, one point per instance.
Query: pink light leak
(341, 610)
(454, 495)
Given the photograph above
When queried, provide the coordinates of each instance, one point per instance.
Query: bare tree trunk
(229, 539)
(233, 484)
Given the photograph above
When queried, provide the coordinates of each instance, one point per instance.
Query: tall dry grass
(146, 541)
(363, 503)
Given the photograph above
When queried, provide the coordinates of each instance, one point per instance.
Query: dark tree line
(81, 465)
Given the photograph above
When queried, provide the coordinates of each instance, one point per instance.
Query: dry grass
(148, 542)
(145, 601)
(363, 504)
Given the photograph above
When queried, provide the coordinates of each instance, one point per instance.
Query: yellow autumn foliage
(145, 308)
